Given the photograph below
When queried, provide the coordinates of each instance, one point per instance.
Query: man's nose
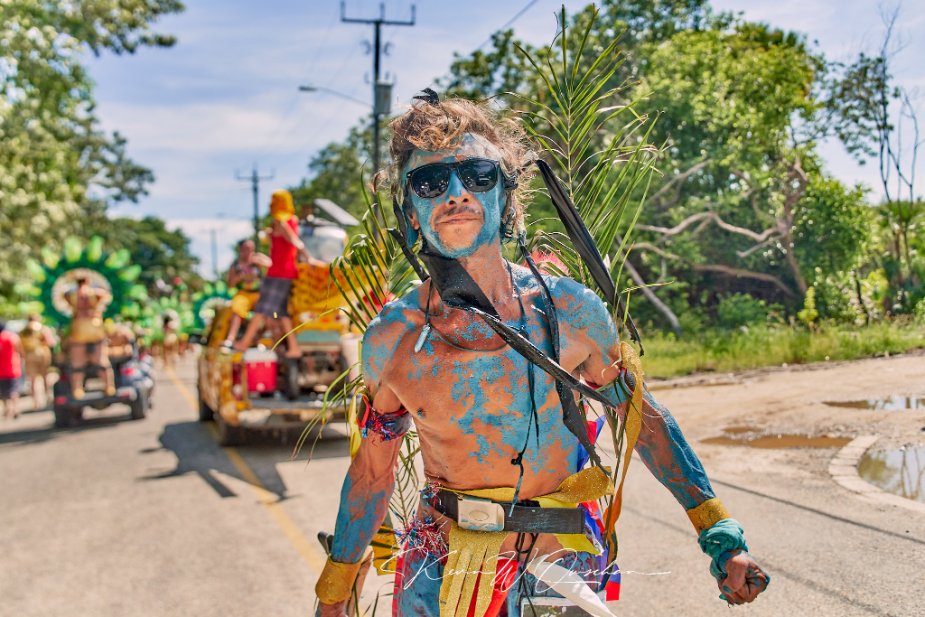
(456, 192)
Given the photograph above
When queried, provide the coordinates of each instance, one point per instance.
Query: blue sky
(226, 96)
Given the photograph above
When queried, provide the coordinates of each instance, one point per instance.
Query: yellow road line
(267, 498)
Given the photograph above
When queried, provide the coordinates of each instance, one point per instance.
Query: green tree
(56, 164)
(338, 172)
(744, 198)
(163, 255)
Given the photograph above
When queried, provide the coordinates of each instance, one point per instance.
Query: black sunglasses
(432, 180)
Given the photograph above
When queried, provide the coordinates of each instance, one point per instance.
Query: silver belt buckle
(479, 514)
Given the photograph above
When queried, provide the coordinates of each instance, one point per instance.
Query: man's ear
(413, 219)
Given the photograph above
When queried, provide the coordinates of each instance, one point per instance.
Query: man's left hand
(744, 579)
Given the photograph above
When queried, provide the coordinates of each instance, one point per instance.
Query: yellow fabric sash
(707, 514)
(633, 425)
(475, 553)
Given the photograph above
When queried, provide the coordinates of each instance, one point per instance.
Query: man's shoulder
(571, 292)
(396, 317)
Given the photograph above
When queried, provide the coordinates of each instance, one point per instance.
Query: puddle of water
(890, 403)
(781, 441)
(901, 472)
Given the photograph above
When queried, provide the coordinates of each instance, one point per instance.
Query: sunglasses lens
(478, 175)
(430, 181)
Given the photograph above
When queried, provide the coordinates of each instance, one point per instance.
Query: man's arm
(234, 277)
(291, 237)
(669, 457)
(367, 488)
(364, 497)
(260, 260)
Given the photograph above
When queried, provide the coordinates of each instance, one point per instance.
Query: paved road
(151, 517)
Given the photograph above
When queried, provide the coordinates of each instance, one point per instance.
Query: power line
(382, 92)
(509, 22)
(255, 180)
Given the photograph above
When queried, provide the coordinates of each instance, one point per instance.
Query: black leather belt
(485, 515)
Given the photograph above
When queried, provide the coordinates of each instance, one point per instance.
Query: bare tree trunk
(660, 306)
(861, 303)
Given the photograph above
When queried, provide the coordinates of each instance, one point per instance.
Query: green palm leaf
(595, 140)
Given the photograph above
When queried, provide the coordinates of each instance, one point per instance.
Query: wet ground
(900, 471)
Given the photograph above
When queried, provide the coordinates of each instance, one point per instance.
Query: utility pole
(214, 254)
(255, 179)
(382, 90)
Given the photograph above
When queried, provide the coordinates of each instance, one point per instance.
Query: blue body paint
(357, 522)
(670, 458)
(489, 203)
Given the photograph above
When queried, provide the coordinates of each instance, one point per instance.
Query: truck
(262, 390)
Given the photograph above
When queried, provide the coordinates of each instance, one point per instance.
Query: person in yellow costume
(285, 247)
(244, 275)
(87, 340)
(510, 514)
(37, 343)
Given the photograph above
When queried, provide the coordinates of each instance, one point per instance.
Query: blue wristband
(719, 541)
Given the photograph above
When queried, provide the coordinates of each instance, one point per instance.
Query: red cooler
(261, 370)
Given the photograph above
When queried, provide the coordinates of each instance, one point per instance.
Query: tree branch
(739, 273)
(660, 306)
(678, 181)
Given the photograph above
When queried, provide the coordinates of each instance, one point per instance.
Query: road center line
(267, 498)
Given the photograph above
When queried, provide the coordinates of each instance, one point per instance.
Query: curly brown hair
(438, 126)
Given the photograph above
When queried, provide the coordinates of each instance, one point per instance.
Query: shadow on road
(33, 435)
(197, 452)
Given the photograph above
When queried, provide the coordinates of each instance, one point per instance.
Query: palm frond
(594, 138)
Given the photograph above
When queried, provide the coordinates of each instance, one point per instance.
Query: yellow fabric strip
(633, 425)
(384, 545)
(707, 514)
(476, 552)
(472, 560)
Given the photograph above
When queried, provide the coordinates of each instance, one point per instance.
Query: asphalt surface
(152, 517)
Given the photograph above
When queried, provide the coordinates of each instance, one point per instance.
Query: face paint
(472, 220)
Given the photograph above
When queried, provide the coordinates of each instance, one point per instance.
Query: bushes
(740, 310)
(774, 345)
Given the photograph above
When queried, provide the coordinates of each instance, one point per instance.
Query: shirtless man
(121, 343)
(87, 341)
(476, 403)
(244, 275)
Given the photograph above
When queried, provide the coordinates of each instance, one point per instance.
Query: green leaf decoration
(23, 289)
(95, 249)
(50, 258)
(131, 273)
(36, 271)
(73, 247)
(118, 260)
(138, 292)
(597, 144)
(208, 289)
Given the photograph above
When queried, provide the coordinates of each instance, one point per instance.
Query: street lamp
(311, 88)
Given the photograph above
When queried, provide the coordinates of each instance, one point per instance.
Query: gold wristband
(336, 581)
(707, 514)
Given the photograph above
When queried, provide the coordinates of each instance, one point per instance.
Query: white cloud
(225, 97)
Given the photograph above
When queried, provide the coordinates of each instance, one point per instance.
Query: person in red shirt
(10, 371)
(285, 246)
